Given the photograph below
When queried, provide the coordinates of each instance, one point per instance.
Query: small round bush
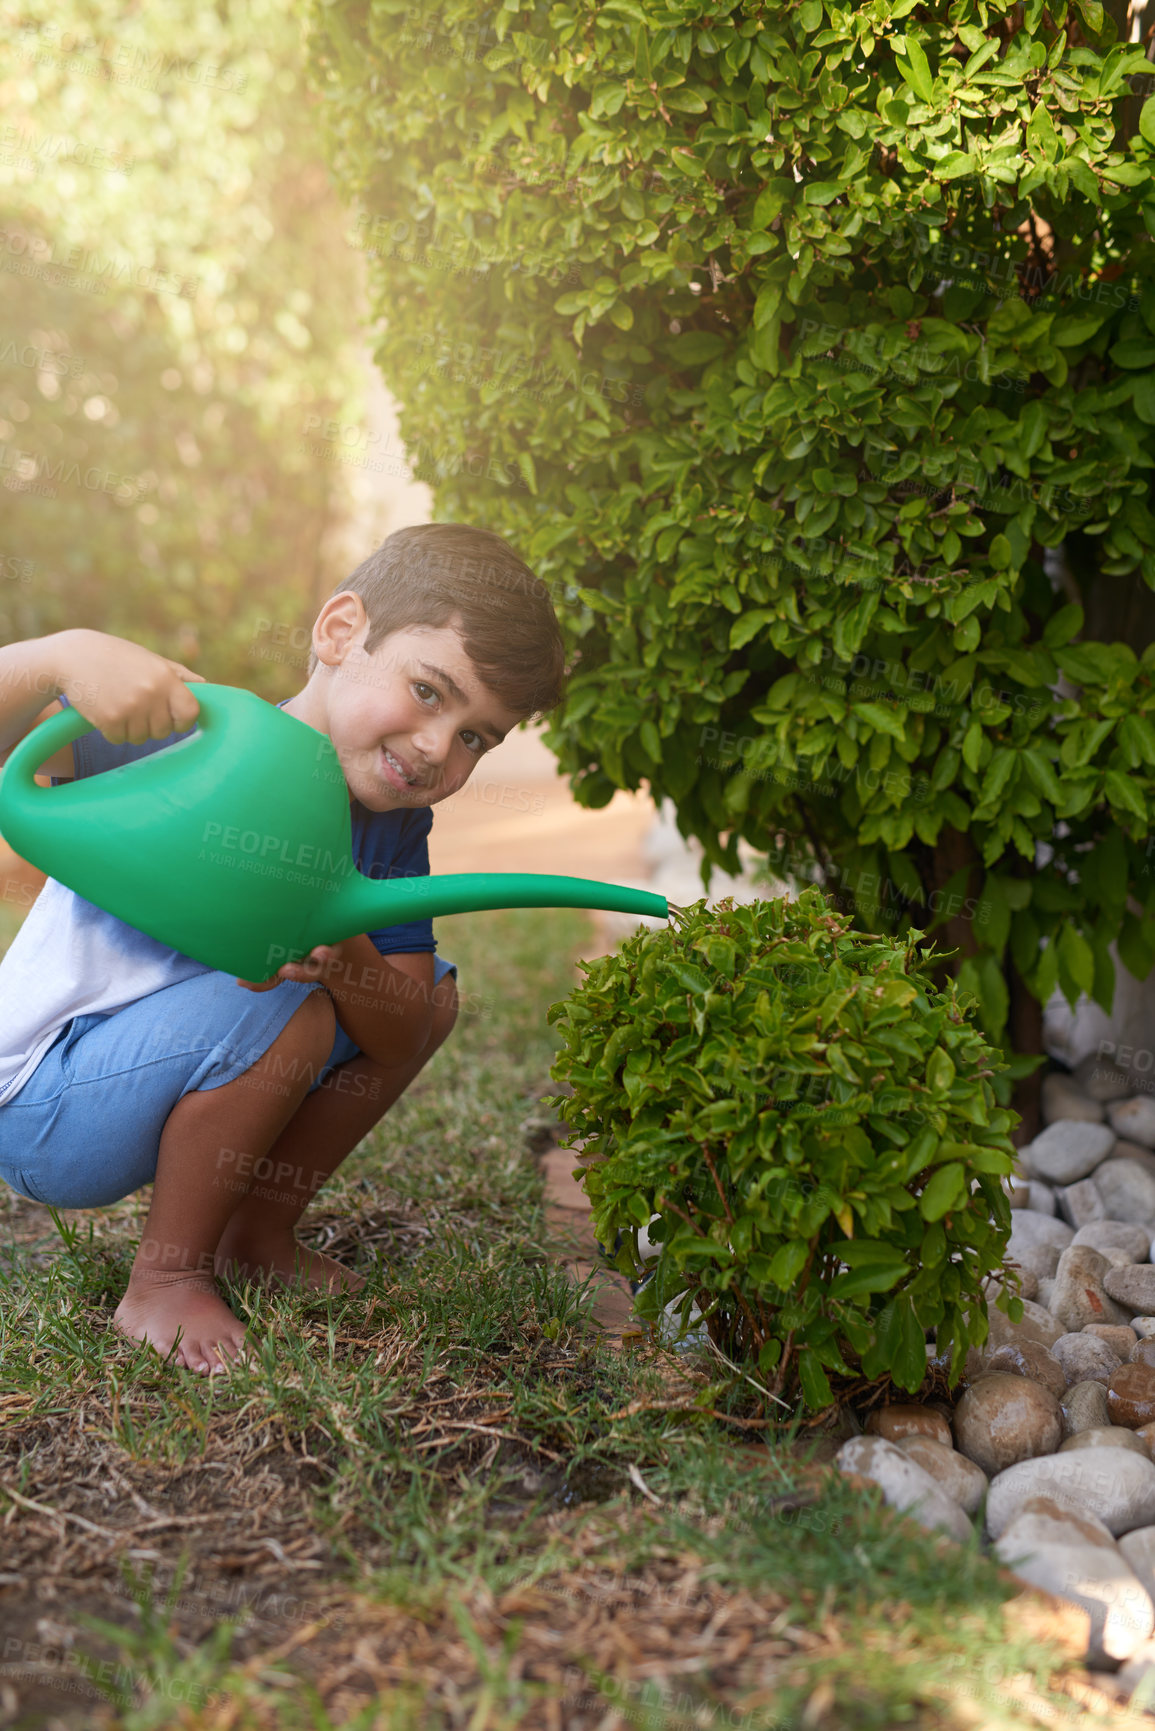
(812, 1120)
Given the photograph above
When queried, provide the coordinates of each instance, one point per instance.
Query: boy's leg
(326, 1127)
(196, 1188)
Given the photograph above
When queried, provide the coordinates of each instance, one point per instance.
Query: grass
(448, 1501)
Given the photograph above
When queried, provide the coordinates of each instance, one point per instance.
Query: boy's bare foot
(159, 1306)
(283, 1259)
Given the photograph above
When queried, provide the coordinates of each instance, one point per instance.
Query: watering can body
(234, 845)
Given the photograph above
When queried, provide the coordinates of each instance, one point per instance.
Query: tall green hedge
(807, 351)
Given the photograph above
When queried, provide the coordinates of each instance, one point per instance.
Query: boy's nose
(431, 746)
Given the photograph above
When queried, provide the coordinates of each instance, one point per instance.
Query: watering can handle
(26, 757)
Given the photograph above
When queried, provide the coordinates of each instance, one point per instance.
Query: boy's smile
(410, 721)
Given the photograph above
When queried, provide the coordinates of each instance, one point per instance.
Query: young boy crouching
(124, 1063)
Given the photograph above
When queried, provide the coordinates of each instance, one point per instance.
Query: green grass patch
(445, 1500)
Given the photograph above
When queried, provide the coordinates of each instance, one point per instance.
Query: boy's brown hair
(425, 574)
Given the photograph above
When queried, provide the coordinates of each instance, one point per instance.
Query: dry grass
(447, 1502)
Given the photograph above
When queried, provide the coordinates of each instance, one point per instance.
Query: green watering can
(235, 845)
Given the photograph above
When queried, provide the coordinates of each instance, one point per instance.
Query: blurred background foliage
(179, 309)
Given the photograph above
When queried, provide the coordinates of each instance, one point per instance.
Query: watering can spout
(363, 904)
(234, 845)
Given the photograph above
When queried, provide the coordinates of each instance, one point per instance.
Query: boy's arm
(384, 1003)
(28, 681)
(128, 692)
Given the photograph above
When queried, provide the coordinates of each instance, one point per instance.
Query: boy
(123, 1062)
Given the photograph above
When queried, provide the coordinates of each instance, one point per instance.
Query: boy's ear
(340, 618)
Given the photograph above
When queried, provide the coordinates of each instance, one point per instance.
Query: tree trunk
(952, 852)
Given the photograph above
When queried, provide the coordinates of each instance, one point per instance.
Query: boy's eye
(473, 741)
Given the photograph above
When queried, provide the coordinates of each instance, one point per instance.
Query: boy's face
(410, 722)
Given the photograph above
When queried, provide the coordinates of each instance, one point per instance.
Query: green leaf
(863, 1252)
(943, 1191)
(1141, 734)
(940, 1071)
(1076, 953)
(908, 1347)
(882, 720)
(684, 101)
(1147, 120)
(813, 1381)
(750, 625)
(1041, 132)
(695, 348)
(1033, 427)
(1134, 352)
(1082, 178)
(953, 165)
(1063, 625)
(1127, 174)
(788, 1262)
(1043, 776)
(691, 978)
(999, 771)
(1122, 792)
(768, 301)
(607, 99)
(916, 70)
(1071, 331)
(878, 1277)
(685, 160)
(986, 50)
(822, 191)
(773, 197)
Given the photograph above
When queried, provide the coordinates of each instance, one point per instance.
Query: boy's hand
(129, 693)
(320, 963)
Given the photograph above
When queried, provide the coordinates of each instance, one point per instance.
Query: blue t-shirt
(386, 844)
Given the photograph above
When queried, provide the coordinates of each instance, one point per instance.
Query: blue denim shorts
(85, 1128)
